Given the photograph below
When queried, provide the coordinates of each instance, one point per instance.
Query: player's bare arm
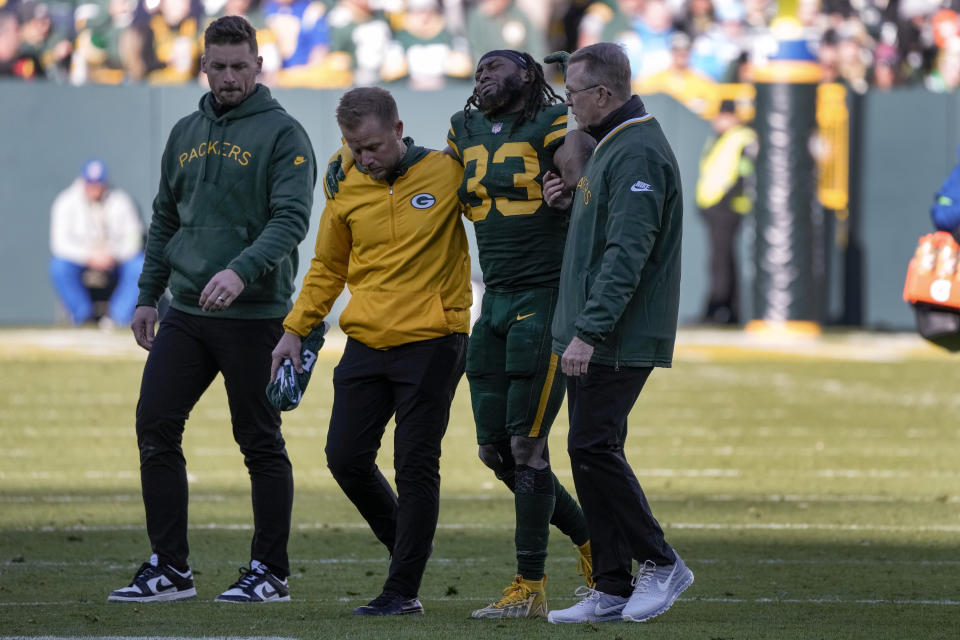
(569, 159)
(572, 155)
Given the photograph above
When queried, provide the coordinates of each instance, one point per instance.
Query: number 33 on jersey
(520, 238)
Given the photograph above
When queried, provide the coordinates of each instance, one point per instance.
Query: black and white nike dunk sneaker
(153, 583)
(256, 584)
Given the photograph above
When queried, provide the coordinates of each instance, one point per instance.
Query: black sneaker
(256, 584)
(153, 583)
(390, 604)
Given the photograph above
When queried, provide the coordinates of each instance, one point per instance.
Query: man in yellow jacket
(394, 236)
(725, 189)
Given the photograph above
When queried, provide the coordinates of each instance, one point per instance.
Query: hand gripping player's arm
(337, 167)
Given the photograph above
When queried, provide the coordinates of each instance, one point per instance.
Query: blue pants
(67, 279)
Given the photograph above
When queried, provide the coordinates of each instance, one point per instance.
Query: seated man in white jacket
(95, 227)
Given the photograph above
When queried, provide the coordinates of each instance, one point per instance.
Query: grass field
(813, 489)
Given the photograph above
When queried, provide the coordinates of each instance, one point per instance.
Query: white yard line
(318, 526)
(693, 344)
(483, 561)
(800, 601)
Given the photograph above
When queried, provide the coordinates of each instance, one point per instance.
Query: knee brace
(534, 481)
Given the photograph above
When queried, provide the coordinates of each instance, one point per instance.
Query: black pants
(417, 382)
(723, 298)
(186, 356)
(622, 527)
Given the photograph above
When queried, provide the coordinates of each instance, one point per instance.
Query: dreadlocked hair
(537, 94)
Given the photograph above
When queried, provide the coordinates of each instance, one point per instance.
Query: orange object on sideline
(932, 275)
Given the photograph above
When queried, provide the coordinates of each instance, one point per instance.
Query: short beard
(504, 100)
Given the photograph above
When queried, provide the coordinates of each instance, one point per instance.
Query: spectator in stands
(305, 45)
(303, 36)
(828, 57)
(853, 54)
(95, 230)
(741, 70)
(107, 49)
(499, 24)
(606, 21)
(338, 43)
(615, 22)
(886, 63)
(945, 25)
(172, 41)
(917, 50)
(538, 12)
(47, 36)
(655, 28)
(13, 61)
(249, 9)
(697, 17)
(359, 38)
(945, 76)
(757, 14)
(693, 89)
(266, 39)
(715, 53)
(422, 50)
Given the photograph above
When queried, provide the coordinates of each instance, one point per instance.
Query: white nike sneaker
(655, 589)
(256, 584)
(595, 606)
(153, 583)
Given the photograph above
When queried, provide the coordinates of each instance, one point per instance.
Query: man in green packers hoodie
(616, 319)
(236, 190)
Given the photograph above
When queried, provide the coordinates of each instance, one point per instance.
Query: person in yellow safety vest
(725, 189)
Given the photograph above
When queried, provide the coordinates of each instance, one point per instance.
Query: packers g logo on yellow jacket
(423, 201)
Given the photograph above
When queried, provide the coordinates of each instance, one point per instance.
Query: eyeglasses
(570, 92)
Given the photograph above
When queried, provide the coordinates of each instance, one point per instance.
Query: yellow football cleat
(585, 564)
(522, 599)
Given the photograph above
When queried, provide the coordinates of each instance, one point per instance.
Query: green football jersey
(519, 237)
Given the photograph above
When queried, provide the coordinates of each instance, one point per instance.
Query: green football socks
(534, 502)
(567, 515)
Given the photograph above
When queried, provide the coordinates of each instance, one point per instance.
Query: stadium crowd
(675, 46)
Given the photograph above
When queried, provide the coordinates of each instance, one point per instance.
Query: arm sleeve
(163, 225)
(555, 133)
(326, 276)
(632, 226)
(291, 180)
(452, 143)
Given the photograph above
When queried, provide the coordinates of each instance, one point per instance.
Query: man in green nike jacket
(236, 190)
(616, 319)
